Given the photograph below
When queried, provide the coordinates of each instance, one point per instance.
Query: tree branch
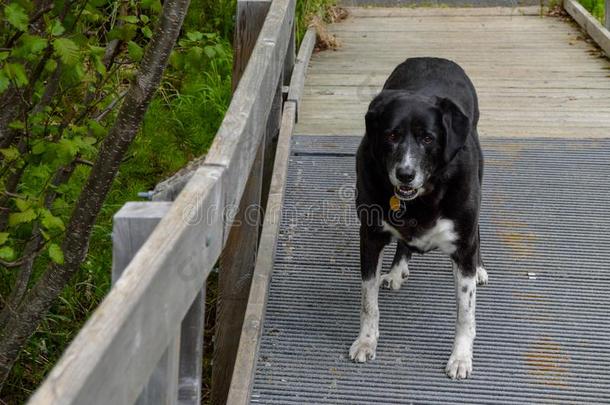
(26, 317)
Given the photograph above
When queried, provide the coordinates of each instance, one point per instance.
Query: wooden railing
(143, 343)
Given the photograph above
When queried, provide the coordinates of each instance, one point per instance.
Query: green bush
(595, 7)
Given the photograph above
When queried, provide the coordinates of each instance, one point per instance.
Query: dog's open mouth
(405, 193)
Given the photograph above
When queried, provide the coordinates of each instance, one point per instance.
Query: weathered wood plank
(249, 19)
(235, 275)
(361, 12)
(589, 24)
(297, 83)
(191, 352)
(238, 138)
(133, 224)
(238, 258)
(113, 355)
(607, 14)
(245, 363)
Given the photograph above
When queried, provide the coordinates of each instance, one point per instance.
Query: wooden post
(191, 352)
(132, 226)
(607, 15)
(249, 20)
(235, 276)
(238, 258)
(291, 56)
(191, 345)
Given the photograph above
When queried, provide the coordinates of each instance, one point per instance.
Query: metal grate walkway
(543, 333)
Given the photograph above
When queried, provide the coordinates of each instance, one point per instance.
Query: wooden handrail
(245, 363)
(113, 356)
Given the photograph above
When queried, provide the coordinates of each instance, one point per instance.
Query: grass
(595, 7)
(180, 125)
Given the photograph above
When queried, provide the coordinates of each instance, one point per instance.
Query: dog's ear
(373, 115)
(457, 127)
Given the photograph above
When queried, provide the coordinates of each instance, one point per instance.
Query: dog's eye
(392, 136)
(428, 140)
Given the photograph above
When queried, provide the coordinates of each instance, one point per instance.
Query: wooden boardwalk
(536, 77)
(543, 330)
(542, 327)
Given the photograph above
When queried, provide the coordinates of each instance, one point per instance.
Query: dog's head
(413, 137)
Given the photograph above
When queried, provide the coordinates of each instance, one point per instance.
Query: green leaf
(17, 125)
(51, 65)
(194, 35)
(4, 81)
(4, 55)
(98, 65)
(17, 218)
(16, 72)
(144, 18)
(56, 254)
(33, 43)
(67, 149)
(147, 32)
(135, 51)
(57, 29)
(3, 237)
(40, 172)
(131, 19)
(67, 50)
(124, 32)
(96, 129)
(154, 5)
(7, 253)
(50, 221)
(22, 204)
(45, 235)
(11, 153)
(38, 147)
(16, 16)
(209, 51)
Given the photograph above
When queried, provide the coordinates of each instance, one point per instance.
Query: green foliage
(16, 16)
(595, 7)
(56, 254)
(65, 130)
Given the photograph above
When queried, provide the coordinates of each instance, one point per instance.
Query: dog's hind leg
(400, 268)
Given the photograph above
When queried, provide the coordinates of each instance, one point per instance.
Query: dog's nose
(405, 175)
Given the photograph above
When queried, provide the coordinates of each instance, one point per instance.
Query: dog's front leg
(459, 365)
(371, 245)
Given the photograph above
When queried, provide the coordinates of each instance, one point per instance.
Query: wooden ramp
(543, 331)
(536, 77)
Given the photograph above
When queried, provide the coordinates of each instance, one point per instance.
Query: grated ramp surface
(542, 339)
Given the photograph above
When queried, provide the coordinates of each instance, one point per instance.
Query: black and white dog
(420, 170)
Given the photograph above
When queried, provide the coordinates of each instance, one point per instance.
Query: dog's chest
(440, 236)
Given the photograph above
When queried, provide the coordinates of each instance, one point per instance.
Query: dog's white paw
(397, 275)
(363, 350)
(459, 366)
(482, 277)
